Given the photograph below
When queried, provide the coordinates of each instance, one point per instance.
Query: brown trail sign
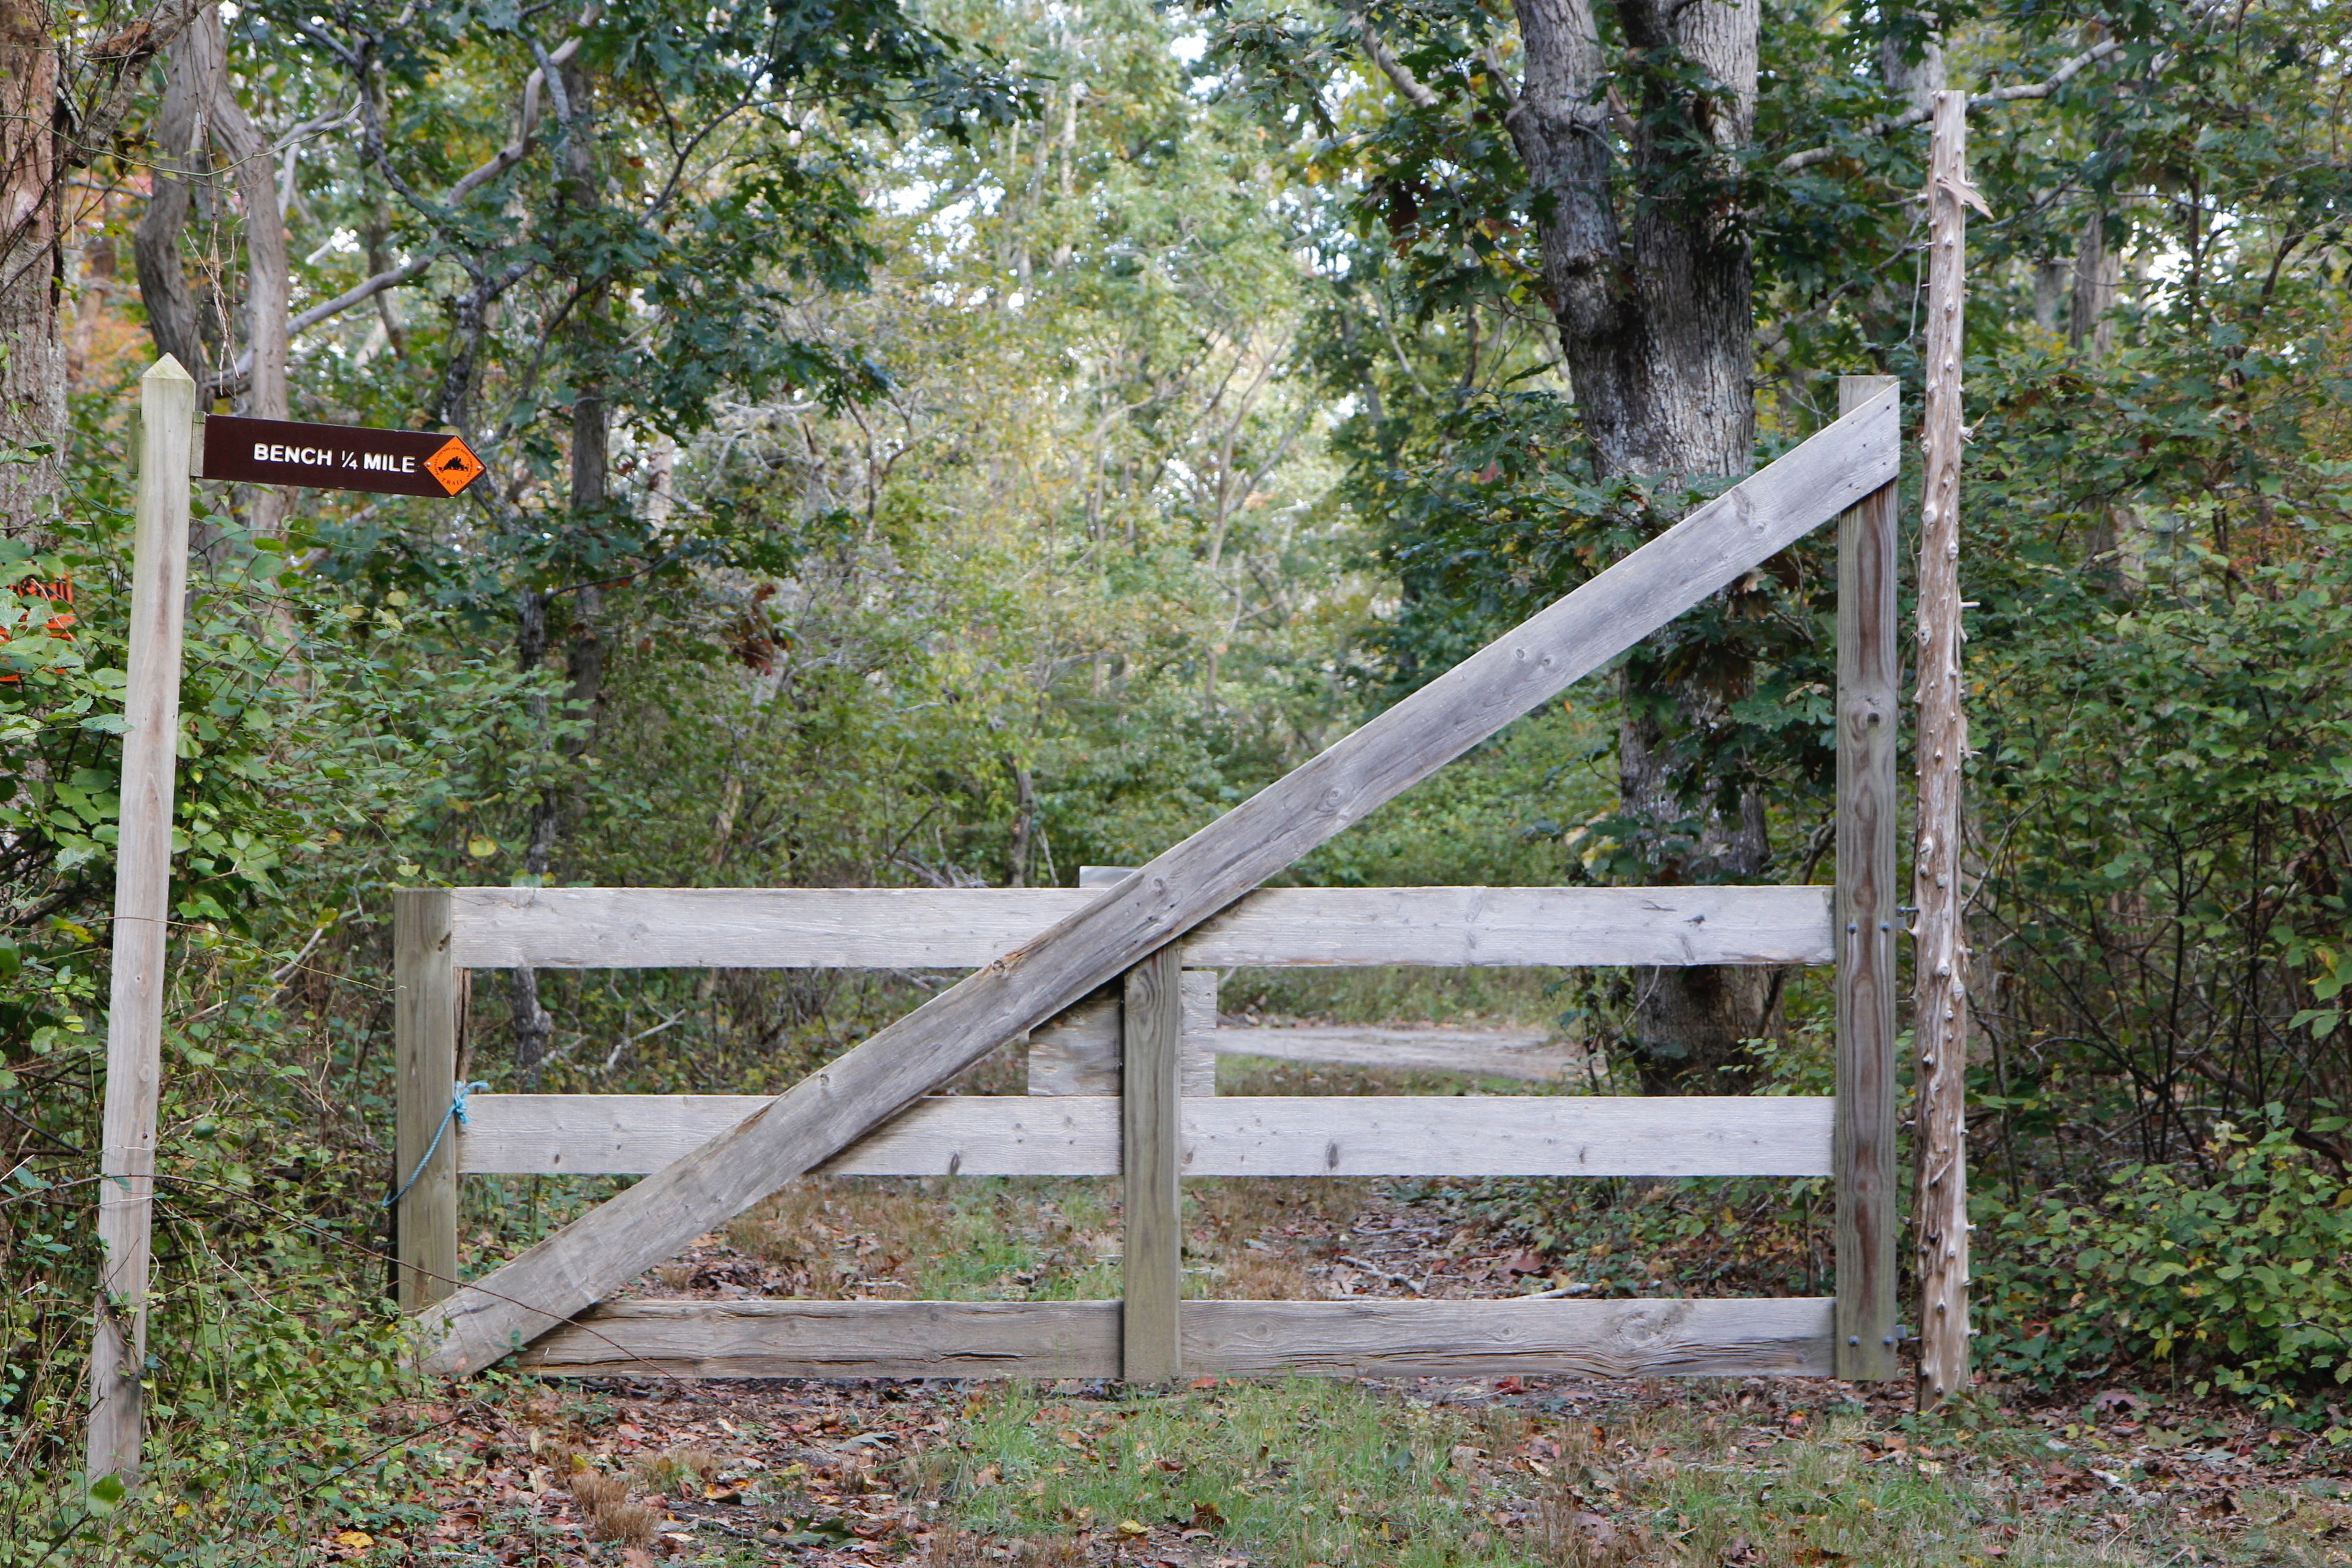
(548, 1285)
(338, 456)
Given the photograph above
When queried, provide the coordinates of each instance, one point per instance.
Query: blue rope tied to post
(455, 1112)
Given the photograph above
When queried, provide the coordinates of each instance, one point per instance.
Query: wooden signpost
(142, 885)
(251, 451)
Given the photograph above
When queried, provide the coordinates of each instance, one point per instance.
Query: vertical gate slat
(424, 1039)
(1869, 660)
(1151, 1146)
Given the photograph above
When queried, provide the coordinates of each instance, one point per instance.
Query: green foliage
(328, 747)
(2234, 1278)
(1504, 515)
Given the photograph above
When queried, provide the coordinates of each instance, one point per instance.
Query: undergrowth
(2236, 1282)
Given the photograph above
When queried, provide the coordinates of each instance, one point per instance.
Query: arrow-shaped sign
(338, 457)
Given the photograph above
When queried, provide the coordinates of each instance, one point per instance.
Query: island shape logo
(454, 465)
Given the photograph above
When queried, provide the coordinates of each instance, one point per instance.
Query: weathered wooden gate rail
(1040, 953)
(1010, 1135)
(1044, 1134)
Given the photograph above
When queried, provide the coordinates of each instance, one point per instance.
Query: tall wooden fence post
(142, 888)
(1868, 710)
(1939, 958)
(1151, 1149)
(425, 1042)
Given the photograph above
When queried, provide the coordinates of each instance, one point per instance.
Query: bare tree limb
(527, 121)
(1377, 50)
(2056, 80)
(392, 278)
(234, 381)
(2024, 91)
(516, 148)
(118, 61)
(1500, 76)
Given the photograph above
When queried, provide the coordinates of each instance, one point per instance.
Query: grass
(1305, 1473)
(1302, 1471)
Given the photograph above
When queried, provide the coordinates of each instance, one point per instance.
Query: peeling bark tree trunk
(1656, 319)
(33, 371)
(268, 285)
(192, 84)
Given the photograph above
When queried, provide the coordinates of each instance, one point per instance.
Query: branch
(1395, 69)
(527, 122)
(393, 278)
(234, 380)
(506, 157)
(1796, 162)
(2057, 79)
(1500, 77)
(123, 58)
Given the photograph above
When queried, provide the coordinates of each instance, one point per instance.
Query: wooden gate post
(425, 1041)
(142, 890)
(1150, 1150)
(1869, 670)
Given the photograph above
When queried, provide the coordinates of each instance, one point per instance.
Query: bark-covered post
(143, 887)
(1939, 958)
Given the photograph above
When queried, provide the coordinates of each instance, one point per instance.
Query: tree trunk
(591, 495)
(1023, 849)
(32, 266)
(1911, 59)
(532, 1026)
(268, 284)
(1656, 320)
(2098, 275)
(592, 411)
(192, 84)
(200, 110)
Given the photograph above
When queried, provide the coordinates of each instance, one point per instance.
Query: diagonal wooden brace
(840, 1103)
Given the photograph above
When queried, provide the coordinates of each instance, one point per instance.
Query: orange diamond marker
(454, 465)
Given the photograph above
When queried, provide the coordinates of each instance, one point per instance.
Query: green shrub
(2238, 1281)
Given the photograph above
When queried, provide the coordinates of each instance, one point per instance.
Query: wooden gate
(1108, 979)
